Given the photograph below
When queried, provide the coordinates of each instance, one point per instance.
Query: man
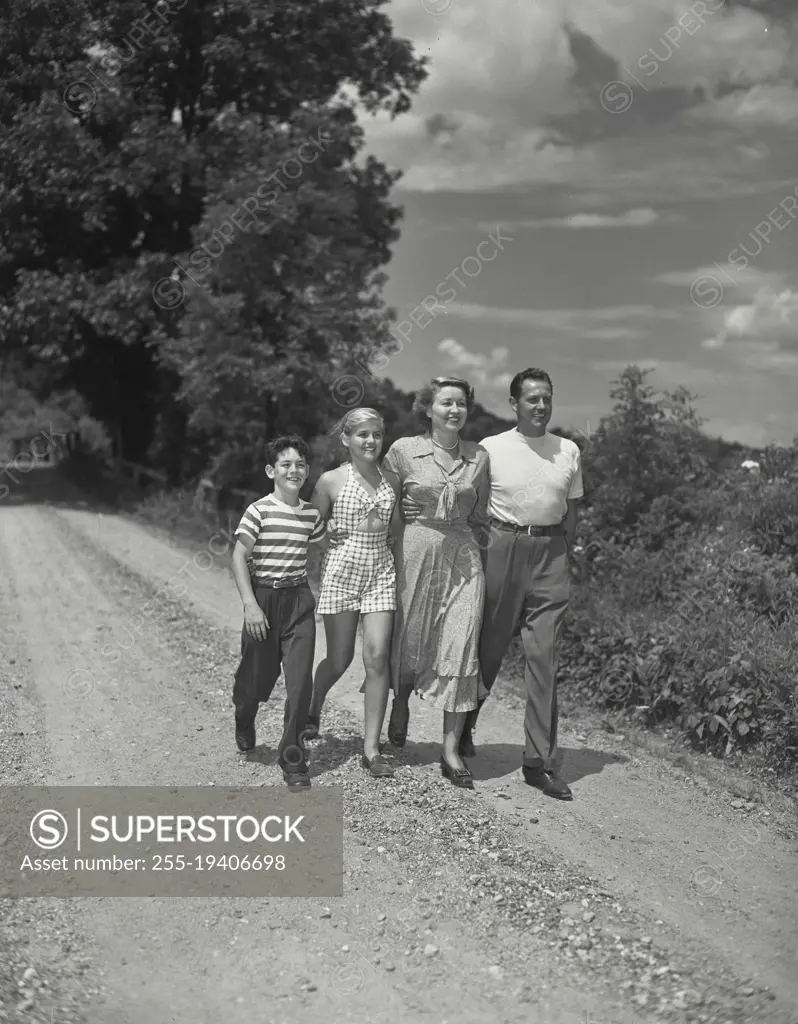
(536, 479)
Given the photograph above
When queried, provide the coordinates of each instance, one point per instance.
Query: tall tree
(126, 130)
(647, 447)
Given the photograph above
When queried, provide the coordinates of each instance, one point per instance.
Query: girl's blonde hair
(353, 419)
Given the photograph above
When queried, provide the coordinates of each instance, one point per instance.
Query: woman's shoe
(377, 767)
(460, 777)
(398, 723)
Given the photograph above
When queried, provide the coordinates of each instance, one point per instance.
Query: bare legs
(377, 628)
(341, 631)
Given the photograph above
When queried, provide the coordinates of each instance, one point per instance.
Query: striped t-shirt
(281, 533)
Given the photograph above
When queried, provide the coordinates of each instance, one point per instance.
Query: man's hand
(256, 623)
(335, 536)
(410, 509)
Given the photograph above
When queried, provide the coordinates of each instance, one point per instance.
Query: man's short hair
(275, 448)
(531, 373)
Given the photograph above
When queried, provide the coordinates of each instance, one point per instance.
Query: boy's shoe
(297, 780)
(245, 738)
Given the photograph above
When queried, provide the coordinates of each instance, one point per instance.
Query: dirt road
(654, 895)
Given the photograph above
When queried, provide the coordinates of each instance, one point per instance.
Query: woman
(358, 577)
(440, 583)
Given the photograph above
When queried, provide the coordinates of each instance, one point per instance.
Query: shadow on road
(492, 761)
(260, 754)
(496, 760)
(577, 762)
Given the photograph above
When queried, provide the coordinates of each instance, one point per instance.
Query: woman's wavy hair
(427, 392)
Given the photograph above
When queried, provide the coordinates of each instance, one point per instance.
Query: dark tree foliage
(129, 131)
(647, 448)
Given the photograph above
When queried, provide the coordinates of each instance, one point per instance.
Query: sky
(592, 183)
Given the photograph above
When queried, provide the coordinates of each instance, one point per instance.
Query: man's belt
(557, 530)
(280, 584)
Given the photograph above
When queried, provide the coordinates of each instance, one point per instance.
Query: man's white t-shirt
(531, 478)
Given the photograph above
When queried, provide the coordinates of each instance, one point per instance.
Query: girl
(358, 577)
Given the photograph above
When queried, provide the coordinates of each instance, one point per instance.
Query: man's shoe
(297, 780)
(549, 783)
(245, 738)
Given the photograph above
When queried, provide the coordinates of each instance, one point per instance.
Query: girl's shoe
(377, 767)
(460, 777)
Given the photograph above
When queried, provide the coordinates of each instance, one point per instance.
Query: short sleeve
(577, 487)
(250, 522)
(394, 461)
(319, 530)
(479, 515)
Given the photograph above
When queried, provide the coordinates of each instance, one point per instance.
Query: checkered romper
(359, 575)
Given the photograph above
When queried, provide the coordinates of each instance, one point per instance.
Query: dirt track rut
(670, 869)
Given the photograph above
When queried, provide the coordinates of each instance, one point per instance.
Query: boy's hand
(410, 509)
(335, 536)
(256, 623)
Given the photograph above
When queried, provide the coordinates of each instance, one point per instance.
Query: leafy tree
(649, 447)
(125, 130)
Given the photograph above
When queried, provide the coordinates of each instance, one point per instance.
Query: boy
(279, 607)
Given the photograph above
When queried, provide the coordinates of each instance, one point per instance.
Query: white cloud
(680, 278)
(606, 321)
(727, 280)
(763, 333)
(498, 83)
(484, 369)
(775, 104)
(638, 218)
(631, 219)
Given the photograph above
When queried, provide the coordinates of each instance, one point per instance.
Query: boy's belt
(280, 584)
(556, 530)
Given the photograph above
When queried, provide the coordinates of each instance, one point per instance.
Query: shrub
(773, 518)
(702, 633)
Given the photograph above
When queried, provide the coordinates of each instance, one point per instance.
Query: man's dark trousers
(527, 583)
(290, 644)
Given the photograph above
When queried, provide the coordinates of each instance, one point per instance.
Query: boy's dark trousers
(290, 645)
